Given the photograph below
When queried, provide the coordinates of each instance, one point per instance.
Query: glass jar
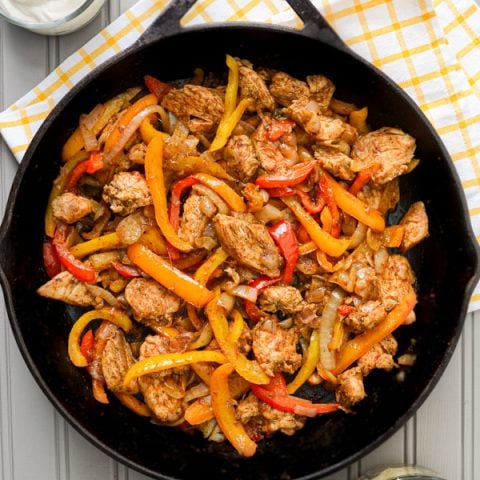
(400, 472)
(50, 17)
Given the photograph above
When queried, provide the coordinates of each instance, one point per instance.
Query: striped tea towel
(429, 47)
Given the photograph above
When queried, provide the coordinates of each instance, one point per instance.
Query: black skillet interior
(445, 264)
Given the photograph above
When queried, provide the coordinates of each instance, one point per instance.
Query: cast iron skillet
(446, 264)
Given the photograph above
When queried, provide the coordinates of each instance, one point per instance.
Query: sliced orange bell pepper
(148, 131)
(170, 277)
(232, 198)
(192, 164)
(222, 404)
(134, 404)
(248, 369)
(111, 314)
(355, 207)
(361, 344)
(158, 363)
(156, 184)
(330, 245)
(153, 239)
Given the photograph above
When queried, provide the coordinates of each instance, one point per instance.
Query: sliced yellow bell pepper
(148, 131)
(222, 405)
(108, 241)
(166, 361)
(170, 277)
(361, 344)
(226, 126)
(250, 370)
(236, 328)
(153, 239)
(156, 184)
(309, 365)
(358, 119)
(231, 91)
(324, 241)
(231, 197)
(111, 314)
(192, 164)
(355, 207)
(134, 404)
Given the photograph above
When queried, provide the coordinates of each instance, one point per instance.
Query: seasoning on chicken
(275, 347)
(389, 149)
(350, 389)
(240, 159)
(249, 243)
(285, 88)
(66, 288)
(126, 192)
(379, 356)
(199, 108)
(194, 220)
(366, 316)
(71, 208)
(335, 162)
(150, 301)
(286, 299)
(252, 85)
(321, 90)
(415, 223)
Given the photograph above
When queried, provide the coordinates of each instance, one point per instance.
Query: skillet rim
(134, 49)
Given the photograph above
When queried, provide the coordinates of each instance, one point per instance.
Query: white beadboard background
(37, 444)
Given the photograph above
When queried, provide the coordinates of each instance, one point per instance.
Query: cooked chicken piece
(249, 243)
(335, 162)
(308, 316)
(240, 159)
(379, 356)
(150, 301)
(261, 418)
(199, 108)
(275, 348)
(278, 156)
(350, 389)
(252, 85)
(285, 88)
(366, 316)
(390, 149)
(415, 223)
(66, 288)
(306, 112)
(321, 90)
(137, 153)
(163, 392)
(286, 299)
(194, 220)
(126, 192)
(117, 358)
(70, 208)
(396, 281)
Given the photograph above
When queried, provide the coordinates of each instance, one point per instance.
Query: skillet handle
(315, 25)
(168, 22)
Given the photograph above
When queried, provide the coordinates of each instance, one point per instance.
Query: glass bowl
(69, 23)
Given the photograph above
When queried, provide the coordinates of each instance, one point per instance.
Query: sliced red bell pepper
(276, 395)
(279, 128)
(157, 87)
(77, 268)
(253, 312)
(361, 179)
(344, 310)
(281, 192)
(308, 204)
(126, 271)
(87, 346)
(284, 236)
(174, 210)
(297, 174)
(92, 165)
(327, 194)
(51, 261)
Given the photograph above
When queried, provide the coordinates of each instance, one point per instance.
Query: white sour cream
(34, 14)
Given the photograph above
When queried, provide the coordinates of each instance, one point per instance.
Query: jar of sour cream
(50, 17)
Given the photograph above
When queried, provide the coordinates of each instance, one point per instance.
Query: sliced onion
(358, 235)
(208, 243)
(129, 130)
(205, 336)
(329, 315)
(380, 260)
(170, 385)
(269, 213)
(198, 391)
(94, 116)
(246, 292)
(207, 206)
(214, 197)
(103, 260)
(131, 228)
(305, 411)
(226, 301)
(105, 295)
(89, 139)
